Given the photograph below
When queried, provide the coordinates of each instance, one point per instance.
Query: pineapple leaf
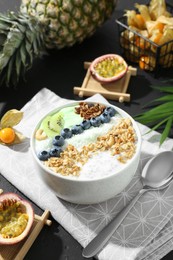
(4, 19)
(21, 41)
(22, 54)
(3, 61)
(29, 53)
(9, 69)
(3, 27)
(18, 65)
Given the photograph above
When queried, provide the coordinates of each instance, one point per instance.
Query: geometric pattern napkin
(146, 232)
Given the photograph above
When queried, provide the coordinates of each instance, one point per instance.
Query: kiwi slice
(45, 125)
(57, 122)
(70, 117)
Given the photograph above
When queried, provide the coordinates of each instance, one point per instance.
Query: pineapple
(46, 24)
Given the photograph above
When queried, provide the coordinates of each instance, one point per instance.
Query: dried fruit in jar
(147, 63)
(152, 27)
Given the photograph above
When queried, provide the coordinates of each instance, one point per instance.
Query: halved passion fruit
(108, 68)
(16, 218)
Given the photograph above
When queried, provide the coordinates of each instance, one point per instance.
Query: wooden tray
(115, 91)
(19, 250)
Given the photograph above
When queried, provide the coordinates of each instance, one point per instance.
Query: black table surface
(60, 71)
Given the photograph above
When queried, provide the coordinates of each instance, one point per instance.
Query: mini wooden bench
(19, 250)
(115, 91)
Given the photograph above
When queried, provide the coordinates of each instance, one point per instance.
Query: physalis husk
(8, 135)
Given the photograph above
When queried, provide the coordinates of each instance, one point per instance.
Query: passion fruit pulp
(108, 68)
(16, 218)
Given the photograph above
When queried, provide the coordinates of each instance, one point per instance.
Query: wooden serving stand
(19, 250)
(115, 90)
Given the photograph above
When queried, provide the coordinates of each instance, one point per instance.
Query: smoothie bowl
(86, 152)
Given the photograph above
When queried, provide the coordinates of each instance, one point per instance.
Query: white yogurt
(100, 165)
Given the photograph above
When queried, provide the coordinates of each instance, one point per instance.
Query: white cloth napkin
(147, 231)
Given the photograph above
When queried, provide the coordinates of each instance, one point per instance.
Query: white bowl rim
(71, 178)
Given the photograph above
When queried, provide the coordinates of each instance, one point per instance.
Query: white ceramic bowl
(88, 191)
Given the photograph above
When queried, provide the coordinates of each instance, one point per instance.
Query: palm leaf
(157, 126)
(165, 98)
(168, 89)
(160, 112)
(144, 119)
(166, 130)
(168, 106)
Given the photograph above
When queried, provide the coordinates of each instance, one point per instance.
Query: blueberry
(95, 121)
(66, 133)
(43, 155)
(77, 129)
(105, 117)
(58, 140)
(55, 152)
(86, 124)
(110, 110)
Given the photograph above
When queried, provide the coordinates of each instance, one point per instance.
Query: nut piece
(88, 111)
(40, 135)
(110, 141)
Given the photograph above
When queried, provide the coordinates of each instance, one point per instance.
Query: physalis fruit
(8, 135)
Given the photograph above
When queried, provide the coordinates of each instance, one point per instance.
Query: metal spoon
(156, 175)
